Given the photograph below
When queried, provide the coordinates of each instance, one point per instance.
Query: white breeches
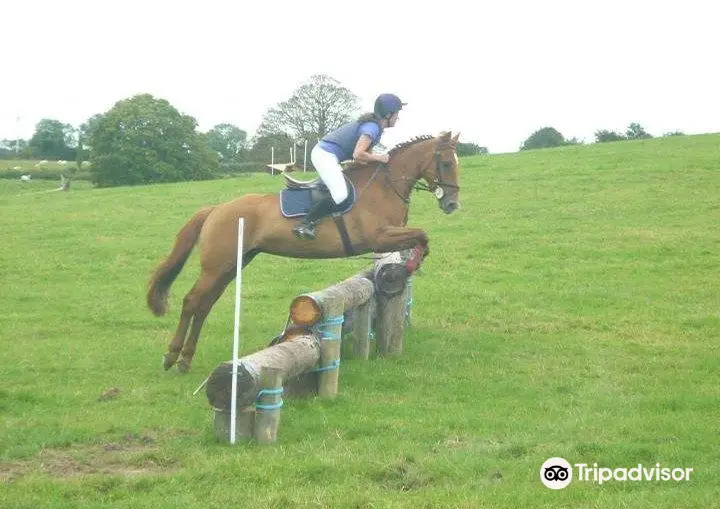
(330, 171)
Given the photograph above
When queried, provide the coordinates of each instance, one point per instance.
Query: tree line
(144, 139)
(548, 137)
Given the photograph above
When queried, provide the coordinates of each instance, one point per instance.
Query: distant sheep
(25, 178)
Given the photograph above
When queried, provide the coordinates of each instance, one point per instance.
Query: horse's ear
(445, 135)
(456, 138)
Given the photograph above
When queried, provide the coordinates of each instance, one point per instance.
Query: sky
(494, 71)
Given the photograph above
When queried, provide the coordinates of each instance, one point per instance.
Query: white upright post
(272, 160)
(17, 139)
(305, 157)
(236, 336)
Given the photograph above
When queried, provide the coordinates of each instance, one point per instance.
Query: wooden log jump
(305, 358)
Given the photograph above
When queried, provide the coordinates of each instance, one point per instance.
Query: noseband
(438, 185)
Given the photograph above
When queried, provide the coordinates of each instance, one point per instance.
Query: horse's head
(441, 173)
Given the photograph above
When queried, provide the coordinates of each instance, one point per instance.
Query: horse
(375, 223)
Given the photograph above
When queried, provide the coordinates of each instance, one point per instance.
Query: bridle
(437, 185)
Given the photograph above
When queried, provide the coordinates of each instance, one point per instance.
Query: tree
(604, 136)
(315, 108)
(228, 141)
(469, 149)
(84, 134)
(262, 148)
(636, 132)
(53, 140)
(544, 138)
(142, 140)
(13, 149)
(85, 131)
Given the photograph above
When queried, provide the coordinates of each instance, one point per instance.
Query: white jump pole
(236, 335)
(305, 158)
(272, 160)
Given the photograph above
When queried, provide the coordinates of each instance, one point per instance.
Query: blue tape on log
(274, 406)
(270, 391)
(333, 365)
(332, 321)
(330, 336)
(270, 406)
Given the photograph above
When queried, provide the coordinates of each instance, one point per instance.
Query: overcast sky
(495, 71)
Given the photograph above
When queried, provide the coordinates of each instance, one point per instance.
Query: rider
(353, 140)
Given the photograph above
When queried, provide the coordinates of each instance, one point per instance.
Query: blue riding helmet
(387, 104)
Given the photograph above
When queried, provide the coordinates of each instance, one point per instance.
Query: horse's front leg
(400, 238)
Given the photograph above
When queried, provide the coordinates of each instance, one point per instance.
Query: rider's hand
(384, 158)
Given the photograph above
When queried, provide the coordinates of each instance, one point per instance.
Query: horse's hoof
(183, 366)
(169, 360)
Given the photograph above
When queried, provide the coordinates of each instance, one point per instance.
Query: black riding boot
(306, 229)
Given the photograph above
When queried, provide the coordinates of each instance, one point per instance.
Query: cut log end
(304, 310)
(219, 387)
(391, 279)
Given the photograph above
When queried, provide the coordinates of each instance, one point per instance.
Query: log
(267, 409)
(390, 324)
(362, 324)
(334, 300)
(244, 424)
(260, 421)
(391, 276)
(309, 309)
(291, 358)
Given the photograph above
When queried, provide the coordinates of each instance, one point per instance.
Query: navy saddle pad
(297, 202)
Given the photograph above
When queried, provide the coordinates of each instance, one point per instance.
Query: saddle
(315, 183)
(293, 183)
(299, 196)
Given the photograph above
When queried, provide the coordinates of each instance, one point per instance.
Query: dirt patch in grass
(130, 456)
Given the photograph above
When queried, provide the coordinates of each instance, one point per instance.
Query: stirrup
(304, 231)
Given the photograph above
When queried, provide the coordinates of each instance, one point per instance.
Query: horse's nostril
(451, 207)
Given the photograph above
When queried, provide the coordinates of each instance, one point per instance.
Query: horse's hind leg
(202, 310)
(192, 303)
(178, 339)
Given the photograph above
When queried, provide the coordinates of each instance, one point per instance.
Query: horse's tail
(165, 273)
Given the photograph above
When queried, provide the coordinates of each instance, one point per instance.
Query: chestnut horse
(376, 223)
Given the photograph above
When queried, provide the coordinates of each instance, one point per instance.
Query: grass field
(570, 308)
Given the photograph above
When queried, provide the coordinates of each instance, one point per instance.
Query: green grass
(570, 308)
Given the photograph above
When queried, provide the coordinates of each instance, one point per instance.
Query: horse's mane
(354, 165)
(407, 143)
